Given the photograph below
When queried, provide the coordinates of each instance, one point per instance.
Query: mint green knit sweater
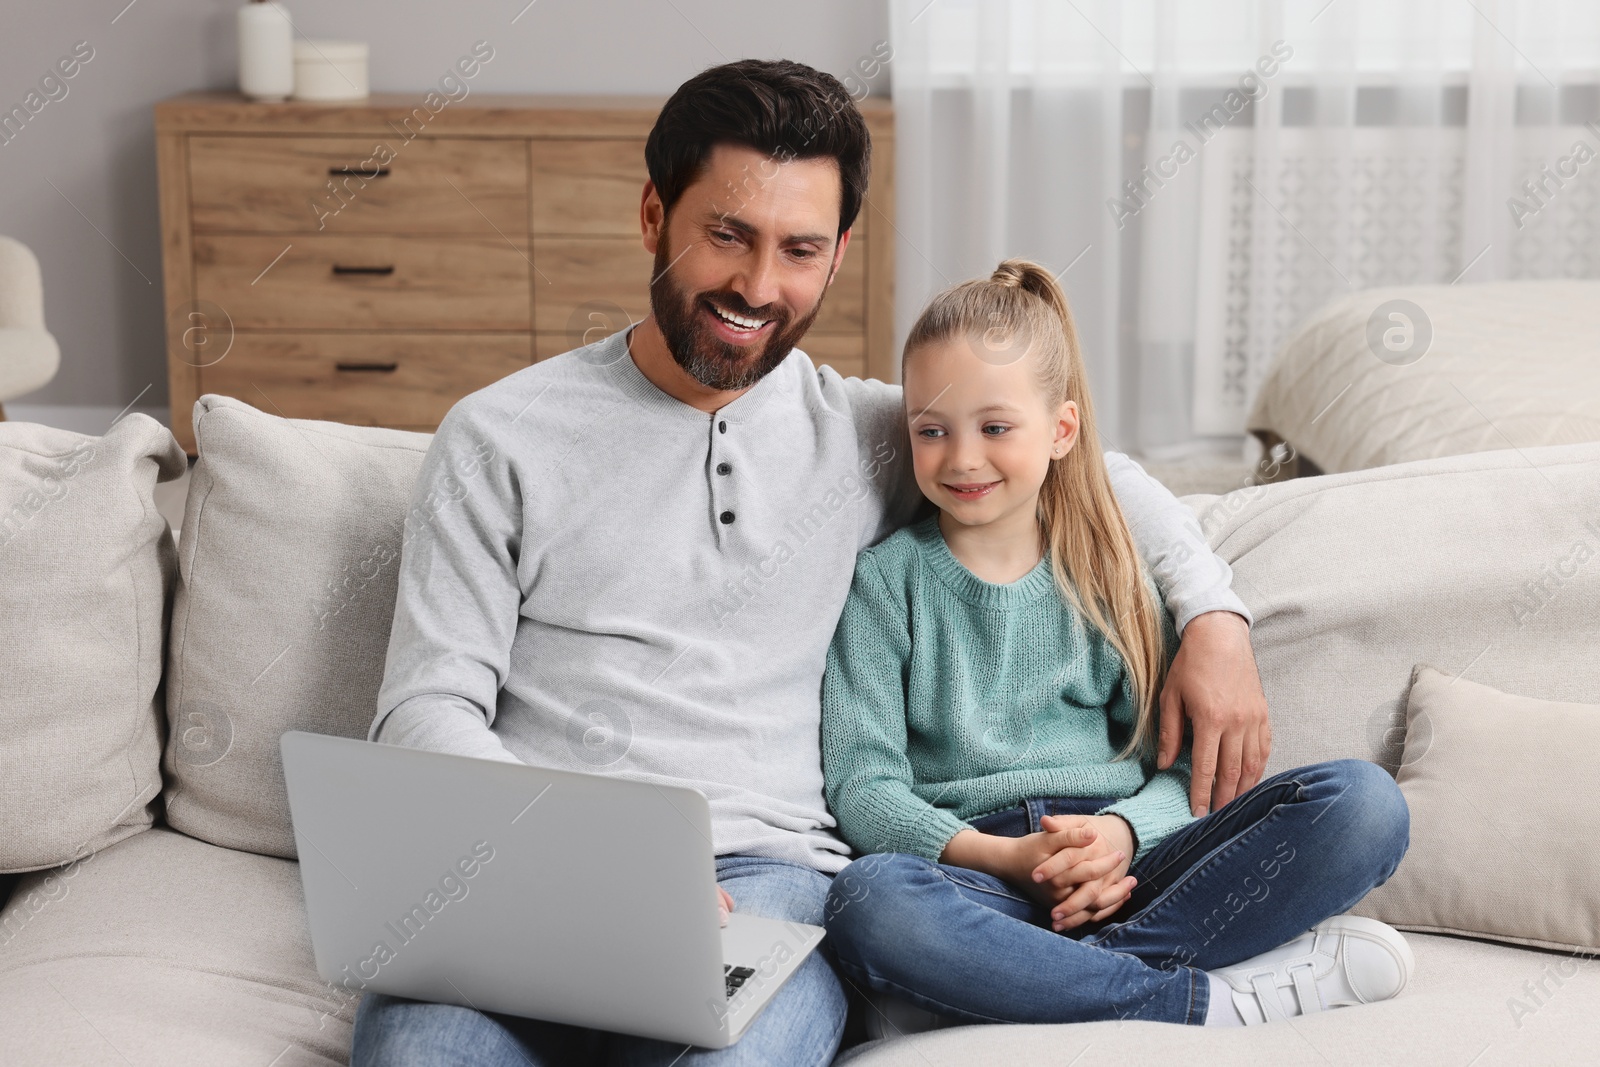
(948, 697)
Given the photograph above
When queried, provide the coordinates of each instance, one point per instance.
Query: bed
(1392, 375)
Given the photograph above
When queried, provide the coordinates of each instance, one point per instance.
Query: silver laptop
(577, 898)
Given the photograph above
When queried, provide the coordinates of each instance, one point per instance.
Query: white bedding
(1510, 365)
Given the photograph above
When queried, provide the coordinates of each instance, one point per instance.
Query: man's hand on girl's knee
(1214, 683)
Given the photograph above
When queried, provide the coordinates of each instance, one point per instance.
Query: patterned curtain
(1206, 173)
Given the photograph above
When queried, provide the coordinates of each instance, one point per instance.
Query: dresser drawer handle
(339, 268)
(381, 172)
(380, 368)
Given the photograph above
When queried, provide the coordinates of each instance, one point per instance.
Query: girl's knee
(1366, 803)
(865, 896)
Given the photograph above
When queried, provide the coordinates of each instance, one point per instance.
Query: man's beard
(708, 359)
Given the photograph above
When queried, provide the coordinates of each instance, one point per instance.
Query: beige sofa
(146, 684)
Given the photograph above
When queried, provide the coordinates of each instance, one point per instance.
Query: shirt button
(726, 517)
(722, 427)
(724, 468)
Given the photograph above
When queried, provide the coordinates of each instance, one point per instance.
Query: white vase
(266, 51)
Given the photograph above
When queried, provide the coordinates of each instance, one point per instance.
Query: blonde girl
(989, 731)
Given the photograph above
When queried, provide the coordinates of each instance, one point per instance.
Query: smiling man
(648, 542)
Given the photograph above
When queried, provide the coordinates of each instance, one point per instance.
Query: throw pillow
(1504, 817)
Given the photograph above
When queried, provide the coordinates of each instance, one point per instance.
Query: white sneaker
(1341, 961)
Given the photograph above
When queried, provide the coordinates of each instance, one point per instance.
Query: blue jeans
(802, 1025)
(1265, 868)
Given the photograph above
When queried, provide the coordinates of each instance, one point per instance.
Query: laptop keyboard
(734, 977)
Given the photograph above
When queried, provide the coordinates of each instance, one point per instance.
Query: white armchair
(29, 356)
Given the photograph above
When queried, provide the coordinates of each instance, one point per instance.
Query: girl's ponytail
(1031, 278)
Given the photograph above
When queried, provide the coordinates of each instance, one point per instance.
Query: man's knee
(805, 1022)
(777, 890)
(396, 1032)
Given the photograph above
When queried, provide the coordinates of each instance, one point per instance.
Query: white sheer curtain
(1205, 173)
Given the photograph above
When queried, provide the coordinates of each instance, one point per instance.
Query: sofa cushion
(1503, 817)
(164, 949)
(1463, 562)
(87, 565)
(1468, 1002)
(287, 561)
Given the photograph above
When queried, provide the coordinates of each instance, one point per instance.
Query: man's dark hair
(785, 109)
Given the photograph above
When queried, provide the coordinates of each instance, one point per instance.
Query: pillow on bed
(1393, 375)
(1504, 817)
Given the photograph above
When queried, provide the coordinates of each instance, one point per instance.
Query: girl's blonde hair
(1019, 312)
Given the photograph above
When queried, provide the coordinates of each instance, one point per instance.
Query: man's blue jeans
(1271, 864)
(803, 1024)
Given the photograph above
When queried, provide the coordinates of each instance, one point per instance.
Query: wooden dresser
(373, 262)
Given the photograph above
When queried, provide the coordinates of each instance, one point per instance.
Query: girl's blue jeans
(1268, 866)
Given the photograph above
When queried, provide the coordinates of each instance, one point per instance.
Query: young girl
(989, 729)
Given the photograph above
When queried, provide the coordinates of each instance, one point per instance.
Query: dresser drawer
(844, 308)
(587, 187)
(594, 187)
(579, 274)
(401, 380)
(349, 282)
(376, 184)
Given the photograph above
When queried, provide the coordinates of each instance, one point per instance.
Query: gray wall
(96, 232)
